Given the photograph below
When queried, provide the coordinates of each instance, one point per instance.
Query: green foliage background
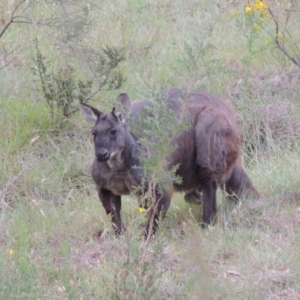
(49, 211)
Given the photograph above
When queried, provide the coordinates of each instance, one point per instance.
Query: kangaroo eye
(113, 132)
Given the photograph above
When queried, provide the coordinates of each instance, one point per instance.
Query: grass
(49, 211)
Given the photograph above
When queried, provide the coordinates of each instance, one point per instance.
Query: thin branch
(10, 52)
(11, 181)
(11, 21)
(85, 293)
(279, 44)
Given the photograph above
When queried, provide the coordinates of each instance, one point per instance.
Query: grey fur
(208, 154)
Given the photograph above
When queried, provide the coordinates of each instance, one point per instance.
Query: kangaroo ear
(90, 113)
(125, 102)
(118, 116)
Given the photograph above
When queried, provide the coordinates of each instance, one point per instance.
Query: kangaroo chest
(119, 182)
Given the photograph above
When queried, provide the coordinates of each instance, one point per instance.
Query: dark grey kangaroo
(208, 154)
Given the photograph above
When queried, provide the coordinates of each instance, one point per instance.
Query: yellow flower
(248, 10)
(141, 210)
(256, 26)
(279, 36)
(233, 15)
(259, 5)
(10, 251)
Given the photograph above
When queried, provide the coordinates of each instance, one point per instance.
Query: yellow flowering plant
(10, 251)
(141, 210)
(258, 8)
(260, 17)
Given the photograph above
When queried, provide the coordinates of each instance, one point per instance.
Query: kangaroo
(207, 154)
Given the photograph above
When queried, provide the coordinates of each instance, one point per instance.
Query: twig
(279, 44)
(85, 292)
(11, 181)
(8, 184)
(12, 18)
(153, 213)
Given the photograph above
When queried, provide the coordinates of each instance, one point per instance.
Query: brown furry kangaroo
(207, 153)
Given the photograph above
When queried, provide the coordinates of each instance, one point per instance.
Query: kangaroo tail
(239, 184)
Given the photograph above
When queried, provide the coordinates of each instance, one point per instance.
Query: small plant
(264, 97)
(62, 90)
(261, 17)
(157, 140)
(140, 275)
(197, 64)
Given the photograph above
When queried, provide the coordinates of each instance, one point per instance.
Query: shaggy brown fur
(208, 154)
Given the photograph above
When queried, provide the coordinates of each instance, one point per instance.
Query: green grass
(49, 211)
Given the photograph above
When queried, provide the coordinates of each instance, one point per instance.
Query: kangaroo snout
(102, 154)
